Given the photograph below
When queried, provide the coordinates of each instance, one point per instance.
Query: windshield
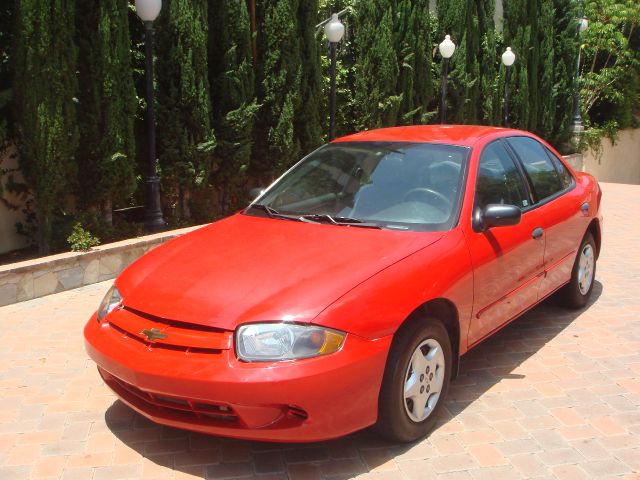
(400, 185)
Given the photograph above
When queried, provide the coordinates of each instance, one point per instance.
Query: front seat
(387, 188)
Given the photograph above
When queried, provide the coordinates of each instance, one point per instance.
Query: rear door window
(544, 176)
(565, 175)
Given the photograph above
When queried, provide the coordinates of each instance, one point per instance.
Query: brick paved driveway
(554, 395)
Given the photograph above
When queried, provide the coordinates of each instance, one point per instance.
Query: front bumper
(210, 391)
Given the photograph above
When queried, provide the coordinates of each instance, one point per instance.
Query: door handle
(585, 207)
(537, 232)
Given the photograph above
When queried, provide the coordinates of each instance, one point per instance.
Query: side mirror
(255, 193)
(496, 215)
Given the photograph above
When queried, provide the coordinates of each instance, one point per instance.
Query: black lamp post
(334, 30)
(447, 47)
(508, 57)
(148, 11)
(577, 115)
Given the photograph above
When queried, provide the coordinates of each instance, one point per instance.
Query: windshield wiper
(273, 213)
(314, 217)
(326, 218)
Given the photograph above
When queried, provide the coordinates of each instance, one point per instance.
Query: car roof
(465, 135)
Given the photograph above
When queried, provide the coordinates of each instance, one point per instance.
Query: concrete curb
(56, 273)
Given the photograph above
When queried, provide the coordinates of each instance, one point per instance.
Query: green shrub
(81, 240)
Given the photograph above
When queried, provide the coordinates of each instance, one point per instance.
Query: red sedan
(345, 294)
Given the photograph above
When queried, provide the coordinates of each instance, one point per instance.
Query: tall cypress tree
(467, 22)
(491, 75)
(308, 123)
(413, 44)
(6, 30)
(376, 65)
(280, 76)
(543, 35)
(232, 95)
(185, 136)
(565, 54)
(547, 108)
(45, 90)
(108, 105)
(518, 34)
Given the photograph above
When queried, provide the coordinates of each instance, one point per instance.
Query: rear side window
(543, 174)
(499, 180)
(565, 175)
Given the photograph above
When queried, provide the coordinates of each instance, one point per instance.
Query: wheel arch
(445, 311)
(595, 230)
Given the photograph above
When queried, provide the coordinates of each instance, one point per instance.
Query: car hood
(244, 269)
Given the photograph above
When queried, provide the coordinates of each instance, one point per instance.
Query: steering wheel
(440, 198)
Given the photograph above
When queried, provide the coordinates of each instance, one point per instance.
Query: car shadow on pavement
(487, 372)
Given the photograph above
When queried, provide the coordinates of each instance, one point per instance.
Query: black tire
(394, 422)
(570, 295)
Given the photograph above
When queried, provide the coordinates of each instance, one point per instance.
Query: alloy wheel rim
(423, 380)
(585, 269)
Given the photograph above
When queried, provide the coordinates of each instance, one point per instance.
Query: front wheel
(416, 381)
(577, 292)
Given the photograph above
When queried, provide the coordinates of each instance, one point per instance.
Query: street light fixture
(508, 57)
(583, 24)
(577, 127)
(447, 47)
(334, 31)
(148, 11)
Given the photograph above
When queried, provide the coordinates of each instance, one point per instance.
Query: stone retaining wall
(43, 276)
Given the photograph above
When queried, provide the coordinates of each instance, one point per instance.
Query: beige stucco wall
(9, 239)
(619, 163)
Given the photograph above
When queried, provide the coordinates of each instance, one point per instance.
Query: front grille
(179, 336)
(164, 346)
(174, 323)
(164, 405)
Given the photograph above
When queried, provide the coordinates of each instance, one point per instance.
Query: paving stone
(303, 471)
(598, 468)
(268, 462)
(561, 456)
(569, 472)
(514, 447)
(230, 470)
(487, 455)
(420, 469)
(591, 449)
(529, 465)
(452, 463)
(345, 466)
(116, 472)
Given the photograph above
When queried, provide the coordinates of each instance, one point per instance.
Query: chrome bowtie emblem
(153, 334)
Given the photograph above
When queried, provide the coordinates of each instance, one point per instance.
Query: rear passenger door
(556, 199)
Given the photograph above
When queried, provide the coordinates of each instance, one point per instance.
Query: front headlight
(271, 342)
(110, 302)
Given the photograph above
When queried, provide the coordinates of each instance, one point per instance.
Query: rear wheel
(415, 382)
(577, 292)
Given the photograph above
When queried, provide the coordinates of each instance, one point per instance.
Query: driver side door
(507, 261)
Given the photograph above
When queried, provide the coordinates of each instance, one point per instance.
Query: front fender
(377, 307)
